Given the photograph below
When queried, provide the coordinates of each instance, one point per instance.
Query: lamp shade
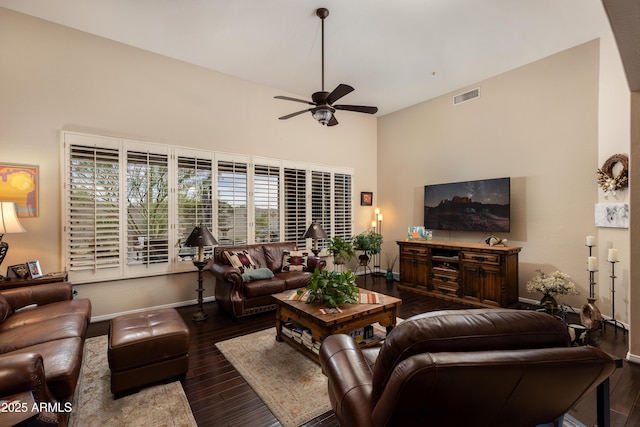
(315, 231)
(9, 219)
(200, 236)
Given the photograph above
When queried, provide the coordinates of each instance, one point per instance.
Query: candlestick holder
(613, 320)
(590, 315)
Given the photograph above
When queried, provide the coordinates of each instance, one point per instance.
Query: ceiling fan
(323, 109)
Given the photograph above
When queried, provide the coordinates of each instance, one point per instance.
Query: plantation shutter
(93, 208)
(321, 201)
(232, 202)
(195, 201)
(295, 205)
(147, 208)
(342, 206)
(266, 196)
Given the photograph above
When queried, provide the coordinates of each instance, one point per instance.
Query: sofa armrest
(314, 263)
(24, 372)
(38, 294)
(350, 380)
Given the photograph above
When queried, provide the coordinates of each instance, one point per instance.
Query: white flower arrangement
(556, 283)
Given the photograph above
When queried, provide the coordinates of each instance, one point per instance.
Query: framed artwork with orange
(19, 184)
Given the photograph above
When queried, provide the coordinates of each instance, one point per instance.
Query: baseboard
(141, 310)
(633, 358)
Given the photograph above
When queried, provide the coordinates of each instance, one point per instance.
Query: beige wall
(55, 78)
(537, 124)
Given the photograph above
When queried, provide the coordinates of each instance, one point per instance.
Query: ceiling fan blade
(333, 121)
(288, 98)
(297, 113)
(338, 93)
(357, 108)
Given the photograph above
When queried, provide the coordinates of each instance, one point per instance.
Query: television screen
(482, 205)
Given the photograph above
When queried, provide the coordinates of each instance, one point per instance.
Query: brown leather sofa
(240, 298)
(41, 346)
(483, 367)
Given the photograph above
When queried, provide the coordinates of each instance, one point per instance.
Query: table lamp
(8, 224)
(200, 237)
(315, 232)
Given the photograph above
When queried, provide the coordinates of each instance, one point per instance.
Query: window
(266, 198)
(195, 199)
(130, 205)
(93, 208)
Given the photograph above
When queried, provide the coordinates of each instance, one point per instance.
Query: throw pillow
(294, 261)
(241, 260)
(257, 274)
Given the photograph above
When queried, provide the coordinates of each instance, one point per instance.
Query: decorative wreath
(607, 181)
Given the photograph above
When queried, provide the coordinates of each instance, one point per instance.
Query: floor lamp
(8, 224)
(200, 237)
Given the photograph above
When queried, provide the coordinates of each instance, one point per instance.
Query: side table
(47, 278)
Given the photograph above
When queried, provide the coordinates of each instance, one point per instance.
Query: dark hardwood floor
(219, 396)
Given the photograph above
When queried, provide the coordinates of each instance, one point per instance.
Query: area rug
(290, 384)
(93, 404)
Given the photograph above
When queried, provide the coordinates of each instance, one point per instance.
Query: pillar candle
(591, 240)
(592, 263)
(613, 255)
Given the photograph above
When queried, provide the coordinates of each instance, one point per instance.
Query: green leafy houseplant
(331, 288)
(341, 250)
(369, 242)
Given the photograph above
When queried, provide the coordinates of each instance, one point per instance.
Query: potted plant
(391, 261)
(341, 250)
(551, 285)
(369, 242)
(331, 288)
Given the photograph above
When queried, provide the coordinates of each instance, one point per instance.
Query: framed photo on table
(18, 271)
(34, 269)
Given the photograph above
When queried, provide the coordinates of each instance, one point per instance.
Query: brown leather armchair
(482, 367)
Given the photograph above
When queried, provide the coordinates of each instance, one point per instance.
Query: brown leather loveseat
(242, 296)
(483, 367)
(42, 333)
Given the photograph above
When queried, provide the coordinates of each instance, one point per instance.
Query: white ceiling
(395, 53)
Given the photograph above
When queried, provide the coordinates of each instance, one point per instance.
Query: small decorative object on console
(494, 241)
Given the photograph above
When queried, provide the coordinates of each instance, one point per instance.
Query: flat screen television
(482, 205)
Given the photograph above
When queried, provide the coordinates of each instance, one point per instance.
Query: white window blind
(147, 208)
(93, 208)
(130, 205)
(266, 197)
(232, 202)
(295, 205)
(321, 201)
(342, 205)
(195, 200)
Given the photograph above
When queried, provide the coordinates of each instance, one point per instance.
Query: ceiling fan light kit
(323, 110)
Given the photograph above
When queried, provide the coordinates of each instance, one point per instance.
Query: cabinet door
(492, 291)
(414, 265)
(472, 281)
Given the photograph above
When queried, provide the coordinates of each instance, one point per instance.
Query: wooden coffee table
(353, 316)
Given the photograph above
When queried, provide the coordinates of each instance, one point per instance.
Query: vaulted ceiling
(395, 53)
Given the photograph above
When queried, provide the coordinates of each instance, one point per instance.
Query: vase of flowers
(551, 285)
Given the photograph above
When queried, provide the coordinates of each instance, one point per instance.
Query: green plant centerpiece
(370, 243)
(332, 289)
(341, 250)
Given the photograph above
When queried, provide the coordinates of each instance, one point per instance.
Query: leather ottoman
(145, 348)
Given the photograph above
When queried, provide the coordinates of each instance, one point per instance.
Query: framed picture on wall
(615, 215)
(19, 184)
(366, 198)
(34, 269)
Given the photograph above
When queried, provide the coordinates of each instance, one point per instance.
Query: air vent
(467, 96)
